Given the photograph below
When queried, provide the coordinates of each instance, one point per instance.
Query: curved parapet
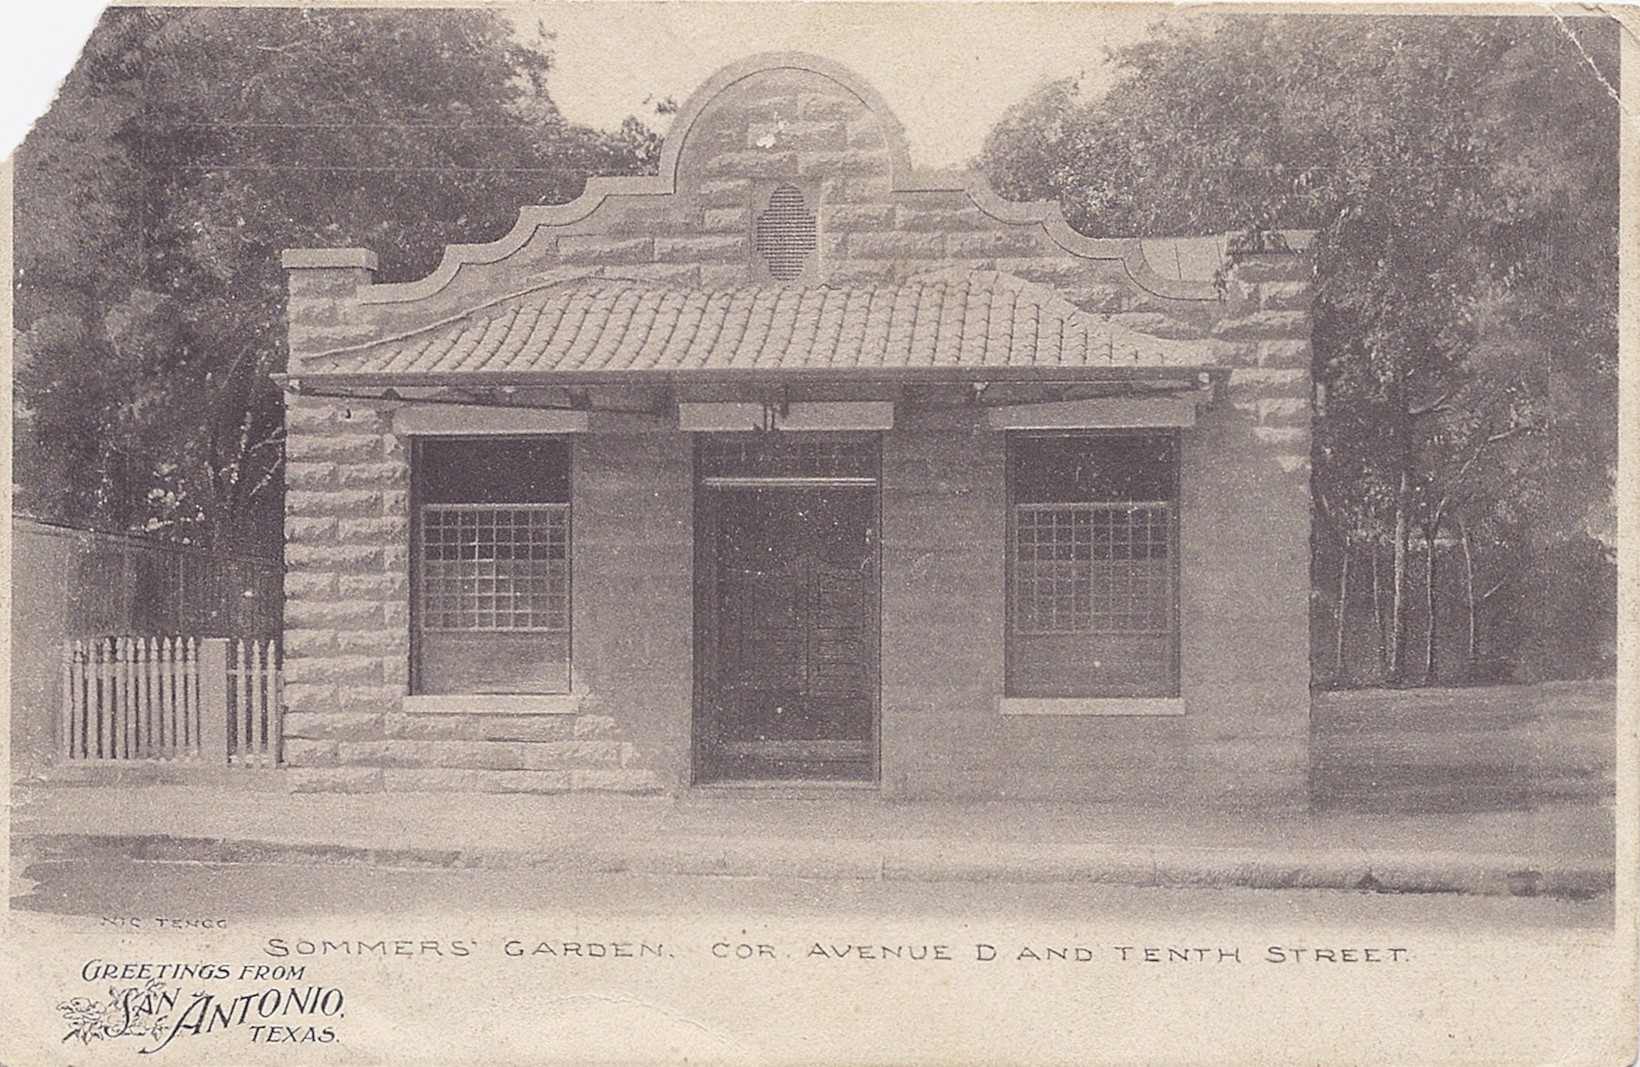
(806, 133)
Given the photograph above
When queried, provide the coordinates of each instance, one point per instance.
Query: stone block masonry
(341, 591)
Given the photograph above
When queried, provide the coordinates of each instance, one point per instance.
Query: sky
(947, 70)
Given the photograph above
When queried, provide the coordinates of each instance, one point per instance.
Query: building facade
(795, 464)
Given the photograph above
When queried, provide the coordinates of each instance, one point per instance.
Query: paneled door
(787, 609)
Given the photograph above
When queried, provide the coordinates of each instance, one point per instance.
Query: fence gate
(202, 701)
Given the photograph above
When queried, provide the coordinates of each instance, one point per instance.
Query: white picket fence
(255, 703)
(205, 701)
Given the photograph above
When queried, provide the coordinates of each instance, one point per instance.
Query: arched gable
(806, 123)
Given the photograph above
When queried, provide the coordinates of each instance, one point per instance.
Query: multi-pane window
(495, 567)
(492, 565)
(1092, 567)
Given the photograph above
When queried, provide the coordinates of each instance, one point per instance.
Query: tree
(185, 150)
(1461, 176)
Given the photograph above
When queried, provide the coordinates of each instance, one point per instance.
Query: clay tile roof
(958, 318)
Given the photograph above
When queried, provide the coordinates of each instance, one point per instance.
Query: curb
(918, 860)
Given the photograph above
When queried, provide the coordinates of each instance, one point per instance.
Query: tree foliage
(1461, 174)
(186, 149)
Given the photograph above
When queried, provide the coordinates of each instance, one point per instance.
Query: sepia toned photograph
(788, 533)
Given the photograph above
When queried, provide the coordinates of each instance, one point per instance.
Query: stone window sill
(1129, 706)
(500, 704)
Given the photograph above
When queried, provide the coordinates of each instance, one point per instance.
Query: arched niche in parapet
(784, 115)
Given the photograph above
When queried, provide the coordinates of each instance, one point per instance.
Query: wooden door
(789, 686)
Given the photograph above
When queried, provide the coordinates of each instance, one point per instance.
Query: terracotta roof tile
(953, 318)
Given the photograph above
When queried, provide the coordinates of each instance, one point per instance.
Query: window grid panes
(1092, 554)
(500, 567)
(1093, 568)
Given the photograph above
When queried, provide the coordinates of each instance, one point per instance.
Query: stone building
(794, 463)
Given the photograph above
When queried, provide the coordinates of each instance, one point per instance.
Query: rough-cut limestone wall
(347, 636)
(633, 544)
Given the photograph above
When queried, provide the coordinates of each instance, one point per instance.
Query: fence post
(65, 726)
(213, 701)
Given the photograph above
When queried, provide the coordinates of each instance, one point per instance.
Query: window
(1092, 567)
(492, 611)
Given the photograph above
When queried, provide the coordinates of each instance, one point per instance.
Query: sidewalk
(1563, 850)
